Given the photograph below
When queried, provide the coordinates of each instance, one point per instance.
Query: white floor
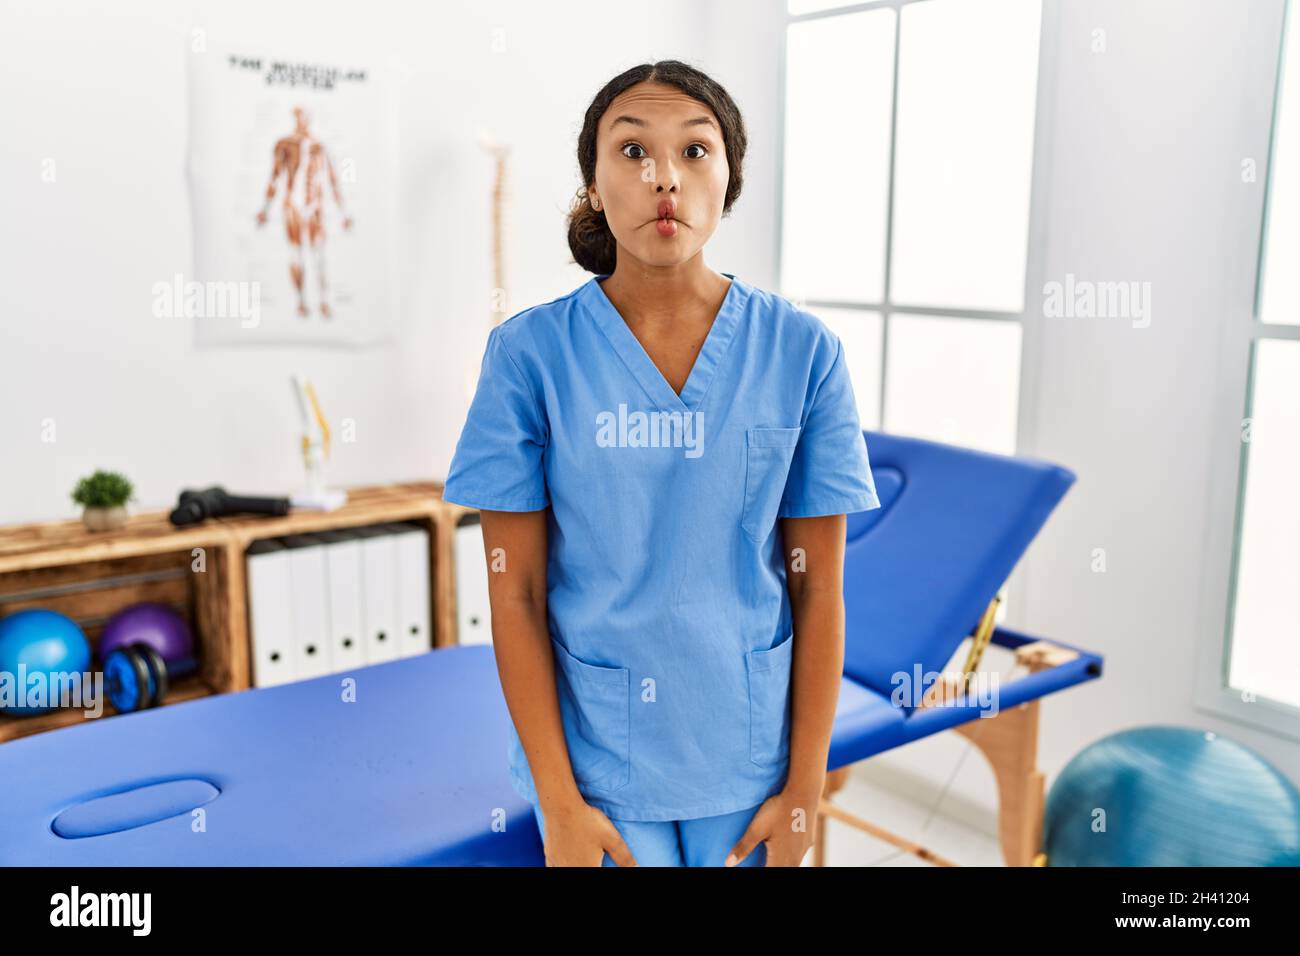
(955, 830)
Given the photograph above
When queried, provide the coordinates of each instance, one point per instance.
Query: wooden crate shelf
(201, 572)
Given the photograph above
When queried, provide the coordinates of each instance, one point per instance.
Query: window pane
(967, 84)
(861, 333)
(954, 380)
(1266, 613)
(839, 74)
(1279, 299)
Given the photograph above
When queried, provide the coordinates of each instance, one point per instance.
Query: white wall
(1146, 183)
(1139, 180)
(101, 89)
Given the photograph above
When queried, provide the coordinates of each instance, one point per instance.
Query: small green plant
(103, 489)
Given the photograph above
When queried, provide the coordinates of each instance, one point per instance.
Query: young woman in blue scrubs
(663, 459)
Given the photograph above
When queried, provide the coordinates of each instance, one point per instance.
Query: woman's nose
(665, 177)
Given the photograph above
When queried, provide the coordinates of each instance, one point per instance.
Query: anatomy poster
(292, 180)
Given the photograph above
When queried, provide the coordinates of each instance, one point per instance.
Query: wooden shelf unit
(90, 575)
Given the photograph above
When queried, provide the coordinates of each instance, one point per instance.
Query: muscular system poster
(292, 179)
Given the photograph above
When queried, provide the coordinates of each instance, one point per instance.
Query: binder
(270, 614)
(343, 582)
(340, 599)
(310, 605)
(473, 609)
(378, 549)
(414, 593)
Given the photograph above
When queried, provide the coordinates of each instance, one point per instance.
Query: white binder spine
(271, 615)
(473, 610)
(343, 572)
(379, 594)
(311, 625)
(413, 596)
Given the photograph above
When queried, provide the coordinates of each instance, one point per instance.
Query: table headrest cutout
(136, 807)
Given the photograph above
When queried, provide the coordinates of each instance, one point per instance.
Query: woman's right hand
(577, 834)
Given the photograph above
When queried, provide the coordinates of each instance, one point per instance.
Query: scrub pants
(705, 841)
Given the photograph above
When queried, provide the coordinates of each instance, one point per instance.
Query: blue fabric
(704, 841)
(667, 603)
(406, 773)
(920, 571)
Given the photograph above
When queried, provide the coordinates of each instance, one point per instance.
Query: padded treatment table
(412, 773)
(920, 573)
(921, 569)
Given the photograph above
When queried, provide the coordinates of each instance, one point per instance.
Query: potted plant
(104, 496)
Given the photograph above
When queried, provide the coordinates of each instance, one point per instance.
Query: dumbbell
(137, 676)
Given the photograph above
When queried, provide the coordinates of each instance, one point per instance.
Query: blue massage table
(414, 772)
(922, 574)
(411, 773)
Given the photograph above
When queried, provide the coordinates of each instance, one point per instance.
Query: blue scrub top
(666, 589)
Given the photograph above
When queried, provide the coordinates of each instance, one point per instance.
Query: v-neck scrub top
(667, 605)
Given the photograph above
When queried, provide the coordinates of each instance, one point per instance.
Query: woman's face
(661, 173)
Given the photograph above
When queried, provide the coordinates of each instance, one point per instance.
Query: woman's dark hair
(590, 240)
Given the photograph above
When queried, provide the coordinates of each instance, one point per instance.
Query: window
(908, 152)
(1262, 652)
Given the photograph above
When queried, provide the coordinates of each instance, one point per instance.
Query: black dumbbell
(137, 676)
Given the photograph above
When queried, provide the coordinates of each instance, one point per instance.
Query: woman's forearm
(817, 667)
(526, 664)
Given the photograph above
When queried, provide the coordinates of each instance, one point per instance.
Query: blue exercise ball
(43, 642)
(1171, 796)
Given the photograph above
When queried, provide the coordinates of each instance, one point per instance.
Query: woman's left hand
(786, 823)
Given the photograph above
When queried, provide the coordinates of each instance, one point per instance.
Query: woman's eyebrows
(637, 121)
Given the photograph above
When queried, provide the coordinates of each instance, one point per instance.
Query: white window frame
(1030, 317)
(1240, 333)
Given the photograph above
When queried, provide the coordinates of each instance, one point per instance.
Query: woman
(631, 446)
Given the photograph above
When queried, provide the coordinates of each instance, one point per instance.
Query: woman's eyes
(704, 150)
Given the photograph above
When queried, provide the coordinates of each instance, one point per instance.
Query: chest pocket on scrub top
(595, 708)
(768, 453)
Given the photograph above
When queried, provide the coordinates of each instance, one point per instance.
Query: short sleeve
(497, 465)
(830, 473)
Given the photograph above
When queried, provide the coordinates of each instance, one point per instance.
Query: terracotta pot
(104, 519)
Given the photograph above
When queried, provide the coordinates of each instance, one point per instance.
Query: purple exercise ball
(148, 623)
